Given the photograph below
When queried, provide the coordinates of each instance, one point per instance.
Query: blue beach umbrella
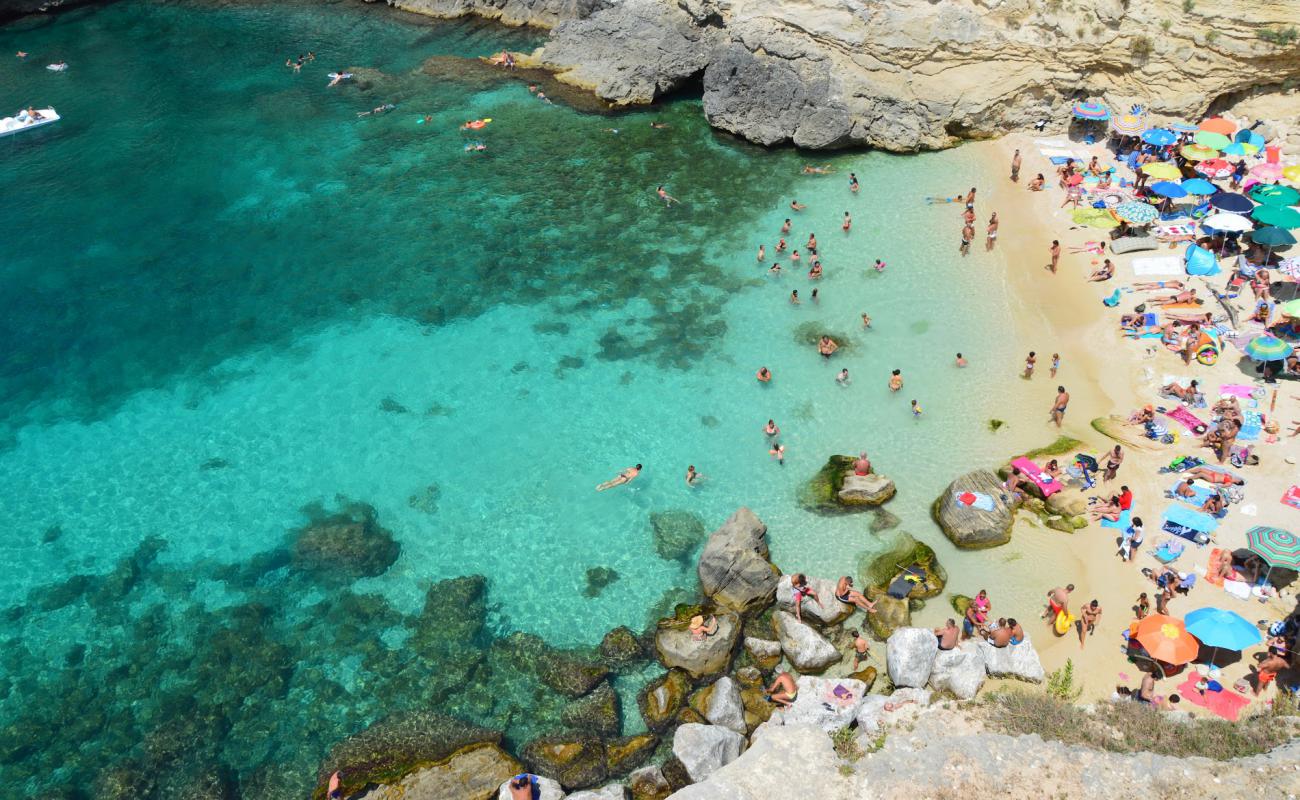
(1168, 189)
(1182, 127)
(1268, 348)
(1159, 136)
(1220, 628)
(1251, 138)
(1090, 110)
(1240, 149)
(1199, 186)
(1235, 203)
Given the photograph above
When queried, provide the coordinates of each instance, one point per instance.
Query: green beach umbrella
(1095, 218)
(1198, 152)
(1272, 237)
(1291, 308)
(1279, 216)
(1277, 547)
(1216, 141)
(1136, 212)
(1272, 194)
(1268, 348)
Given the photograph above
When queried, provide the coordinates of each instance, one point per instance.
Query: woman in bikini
(846, 594)
(1215, 477)
(1107, 509)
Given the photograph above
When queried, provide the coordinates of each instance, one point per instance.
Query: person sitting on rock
(800, 589)
(1017, 632)
(783, 691)
(998, 635)
(863, 465)
(846, 594)
(702, 628)
(524, 786)
(947, 635)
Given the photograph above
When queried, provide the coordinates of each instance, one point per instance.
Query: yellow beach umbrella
(1198, 152)
(1292, 173)
(1162, 170)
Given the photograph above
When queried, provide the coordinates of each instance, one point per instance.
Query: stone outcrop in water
(710, 655)
(835, 488)
(677, 533)
(969, 527)
(734, 568)
(344, 545)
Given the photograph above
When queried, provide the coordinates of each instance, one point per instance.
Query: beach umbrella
(1166, 639)
(1159, 136)
(1291, 173)
(1216, 141)
(1218, 125)
(1198, 152)
(1162, 170)
(1095, 218)
(1272, 194)
(1279, 216)
(1249, 137)
(1091, 111)
(1277, 547)
(1266, 171)
(1240, 149)
(1199, 186)
(1229, 201)
(1221, 629)
(1074, 180)
(1182, 127)
(1272, 237)
(1214, 168)
(1266, 347)
(1127, 124)
(1168, 189)
(1291, 308)
(1224, 221)
(1136, 212)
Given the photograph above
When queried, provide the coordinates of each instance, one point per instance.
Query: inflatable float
(59, 67)
(476, 124)
(1062, 623)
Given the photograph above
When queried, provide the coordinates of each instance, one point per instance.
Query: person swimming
(626, 476)
(667, 198)
(896, 380)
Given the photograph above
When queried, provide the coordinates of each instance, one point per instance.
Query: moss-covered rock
(569, 672)
(758, 709)
(396, 746)
(620, 647)
(662, 698)
(880, 569)
(1063, 445)
(883, 520)
(677, 534)
(625, 754)
(960, 603)
(595, 714)
(890, 614)
(597, 579)
(821, 493)
(576, 762)
(867, 676)
(810, 333)
(344, 545)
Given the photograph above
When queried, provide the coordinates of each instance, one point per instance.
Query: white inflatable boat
(23, 121)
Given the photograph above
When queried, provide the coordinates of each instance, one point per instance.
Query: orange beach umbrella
(1218, 125)
(1166, 639)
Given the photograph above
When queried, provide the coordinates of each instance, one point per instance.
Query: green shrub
(1141, 47)
(1280, 36)
(1060, 684)
(1188, 5)
(845, 741)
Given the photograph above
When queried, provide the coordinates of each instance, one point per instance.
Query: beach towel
(1238, 390)
(1175, 232)
(1157, 265)
(1238, 589)
(1251, 426)
(1202, 493)
(1188, 420)
(977, 500)
(1168, 552)
(1292, 497)
(1225, 703)
(1045, 483)
(1212, 575)
(1122, 524)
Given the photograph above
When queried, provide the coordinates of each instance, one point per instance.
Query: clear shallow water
(226, 298)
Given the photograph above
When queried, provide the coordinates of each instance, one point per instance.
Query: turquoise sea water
(227, 298)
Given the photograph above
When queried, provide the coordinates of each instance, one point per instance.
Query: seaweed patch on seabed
(170, 698)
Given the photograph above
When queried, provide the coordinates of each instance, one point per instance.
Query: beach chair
(1168, 551)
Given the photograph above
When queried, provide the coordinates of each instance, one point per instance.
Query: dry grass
(1130, 727)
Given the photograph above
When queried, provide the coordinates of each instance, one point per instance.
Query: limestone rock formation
(804, 646)
(344, 545)
(597, 713)
(881, 569)
(678, 647)
(836, 489)
(765, 651)
(826, 703)
(829, 612)
(473, 773)
(703, 749)
(628, 752)
(720, 704)
(662, 698)
(909, 655)
(612, 791)
(969, 527)
(546, 13)
(865, 490)
(734, 568)
(960, 671)
(575, 761)
(550, 789)
(891, 614)
(1013, 661)
(649, 783)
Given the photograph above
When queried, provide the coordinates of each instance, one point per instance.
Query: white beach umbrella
(1225, 221)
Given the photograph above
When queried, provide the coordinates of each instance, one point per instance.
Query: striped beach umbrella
(1279, 216)
(1277, 547)
(1127, 124)
(1159, 136)
(1162, 170)
(1272, 194)
(1240, 149)
(1214, 168)
(1216, 141)
(1136, 213)
(1218, 125)
(1198, 152)
(1268, 348)
(1182, 127)
(1090, 110)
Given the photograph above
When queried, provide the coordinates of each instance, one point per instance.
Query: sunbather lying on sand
(1186, 394)
(1103, 273)
(1215, 477)
(1155, 286)
(1188, 296)
(1097, 248)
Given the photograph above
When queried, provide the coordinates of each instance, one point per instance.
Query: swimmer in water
(626, 476)
(916, 409)
(961, 362)
(780, 246)
(21, 54)
(809, 169)
(762, 253)
(659, 125)
(771, 429)
(880, 265)
(843, 378)
(866, 320)
(692, 477)
(853, 182)
(667, 198)
(848, 222)
(815, 272)
(338, 78)
(794, 256)
(794, 297)
(764, 375)
(785, 228)
(778, 452)
(896, 380)
(795, 205)
(775, 270)
(814, 296)
(812, 241)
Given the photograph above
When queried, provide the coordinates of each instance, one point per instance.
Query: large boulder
(595, 714)
(881, 568)
(472, 773)
(734, 568)
(891, 614)
(678, 647)
(972, 528)
(703, 749)
(959, 671)
(620, 646)
(820, 705)
(627, 752)
(662, 698)
(549, 789)
(575, 761)
(1018, 661)
(344, 545)
(837, 489)
(909, 656)
(806, 649)
(864, 490)
(612, 791)
(572, 673)
(872, 714)
(677, 534)
(765, 652)
(720, 704)
(649, 783)
(829, 612)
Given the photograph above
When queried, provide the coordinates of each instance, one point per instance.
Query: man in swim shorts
(1059, 405)
(626, 476)
(1058, 602)
(947, 635)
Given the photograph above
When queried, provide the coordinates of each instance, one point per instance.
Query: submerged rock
(597, 579)
(576, 762)
(345, 545)
(426, 499)
(568, 672)
(620, 646)
(677, 534)
(969, 527)
(734, 568)
(662, 698)
(906, 553)
(628, 752)
(597, 713)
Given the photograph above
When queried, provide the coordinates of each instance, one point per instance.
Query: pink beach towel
(1292, 497)
(1227, 703)
(1032, 471)
(1188, 419)
(1237, 390)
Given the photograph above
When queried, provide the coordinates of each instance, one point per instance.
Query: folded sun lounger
(1045, 483)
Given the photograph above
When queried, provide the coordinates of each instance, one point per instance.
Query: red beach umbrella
(1074, 180)
(1214, 168)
